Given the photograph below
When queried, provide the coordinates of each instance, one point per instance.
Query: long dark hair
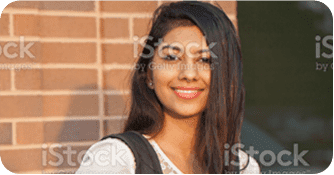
(220, 122)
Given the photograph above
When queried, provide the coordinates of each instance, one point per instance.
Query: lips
(187, 92)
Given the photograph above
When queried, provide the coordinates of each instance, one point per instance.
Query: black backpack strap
(147, 161)
(238, 166)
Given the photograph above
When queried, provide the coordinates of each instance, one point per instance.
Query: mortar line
(11, 25)
(67, 40)
(39, 146)
(131, 29)
(112, 66)
(14, 134)
(61, 92)
(12, 80)
(100, 67)
(28, 119)
(22, 11)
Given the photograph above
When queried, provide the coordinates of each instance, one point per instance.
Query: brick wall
(70, 84)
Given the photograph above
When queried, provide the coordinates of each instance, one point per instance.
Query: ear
(149, 78)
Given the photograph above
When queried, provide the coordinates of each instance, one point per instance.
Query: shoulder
(248, 164)
(111, 156)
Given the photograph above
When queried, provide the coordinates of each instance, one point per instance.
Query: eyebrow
(179, 49)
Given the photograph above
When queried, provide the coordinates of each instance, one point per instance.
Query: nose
(188, 72)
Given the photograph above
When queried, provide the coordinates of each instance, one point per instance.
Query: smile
(187, 93)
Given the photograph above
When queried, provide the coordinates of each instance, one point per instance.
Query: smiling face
(180, 72)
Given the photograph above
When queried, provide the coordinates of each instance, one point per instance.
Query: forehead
(185, 36)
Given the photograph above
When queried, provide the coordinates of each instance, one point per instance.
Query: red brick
(118, 53)
(24, 4)
(72, 6)
(117, 79)
(116, 104)
(29, 132)
(57, 79)
(14, 55)
(71, 131)
(76, 79)
(229, 7)
(70, 105)
(6, 133)
(114, 126)
(115, 28)
(22, 159)
(169, 1)
(5, 82)
(4, 24)
(21, 106)
(55, 26)
(27, 25)
(53, 5)
(68, 52)
(129, 6)
(142, 26)
(29, 79)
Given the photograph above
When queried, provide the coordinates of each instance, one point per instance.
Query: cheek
(206, 77)
(163, 73)
(161, 88)
(161, 80)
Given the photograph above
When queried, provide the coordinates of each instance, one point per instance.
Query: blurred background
(289, 98)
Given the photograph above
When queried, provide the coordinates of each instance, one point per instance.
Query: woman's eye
(171, 57)
(205, 60)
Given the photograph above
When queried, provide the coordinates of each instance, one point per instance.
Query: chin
(184, 111)
(183, 114)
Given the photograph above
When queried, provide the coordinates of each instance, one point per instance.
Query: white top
(113, 156)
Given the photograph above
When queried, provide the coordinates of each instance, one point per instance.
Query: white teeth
(183, 91)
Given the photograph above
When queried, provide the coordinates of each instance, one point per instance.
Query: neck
(178, 134)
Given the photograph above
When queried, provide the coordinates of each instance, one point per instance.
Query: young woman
(188, 101)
